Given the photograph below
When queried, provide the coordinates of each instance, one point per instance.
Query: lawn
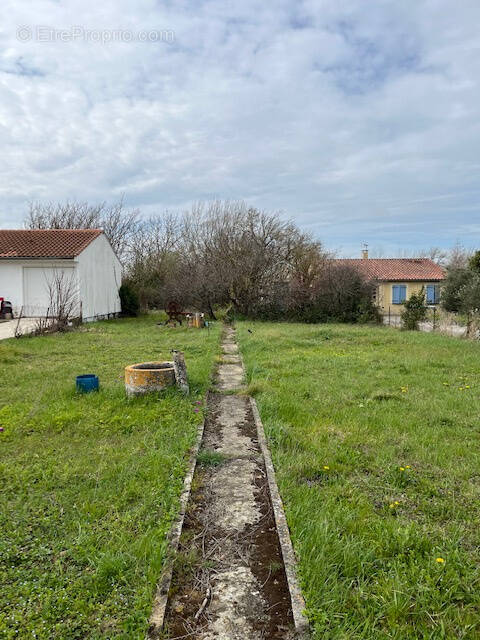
(90, 483)
(375, 437)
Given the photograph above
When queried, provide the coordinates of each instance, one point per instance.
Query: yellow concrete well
(148, 377)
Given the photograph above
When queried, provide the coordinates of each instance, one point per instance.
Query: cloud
(359, 121)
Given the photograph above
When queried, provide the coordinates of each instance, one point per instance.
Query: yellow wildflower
(439, 560)
(326, 467)
(402, 468)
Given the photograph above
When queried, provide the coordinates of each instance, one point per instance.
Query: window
(433, 294)
(399, 293)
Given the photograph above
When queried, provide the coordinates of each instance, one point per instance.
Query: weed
(209, 458)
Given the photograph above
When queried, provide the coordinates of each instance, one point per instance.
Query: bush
(453, 289)
(129, 300)
(415, 310)
(339, 293)
(461, 290)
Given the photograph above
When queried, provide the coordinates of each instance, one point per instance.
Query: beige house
(397, 278)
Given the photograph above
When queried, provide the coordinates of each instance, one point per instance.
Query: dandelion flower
(326, 467)
(402, 468)
(439, 560)
(396, 502)
(407, 466)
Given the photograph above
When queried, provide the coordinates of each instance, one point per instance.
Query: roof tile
(396, 268)
(45, 243)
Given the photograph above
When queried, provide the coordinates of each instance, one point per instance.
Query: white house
(82, 259)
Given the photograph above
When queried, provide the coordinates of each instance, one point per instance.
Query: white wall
(11, 283)
(100, 277)
(12, 278)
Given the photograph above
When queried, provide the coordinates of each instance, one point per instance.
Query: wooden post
(180, 371)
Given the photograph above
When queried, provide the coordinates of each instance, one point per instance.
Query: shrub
(461, 290)
(415, 310)
(129, 300)
(338, 293)
(453, 289)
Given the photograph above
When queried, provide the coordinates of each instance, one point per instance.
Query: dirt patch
(229, 580)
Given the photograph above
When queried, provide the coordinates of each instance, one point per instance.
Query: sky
(358, 120)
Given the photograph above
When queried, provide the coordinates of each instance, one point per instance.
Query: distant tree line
(221, 254)
(229, 254)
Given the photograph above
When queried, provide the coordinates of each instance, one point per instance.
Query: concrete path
(237, 589)
(7, 329)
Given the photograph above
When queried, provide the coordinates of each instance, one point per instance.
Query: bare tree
(63, 299)
(63, 304)
(229, 253)
(153, 257)
(119, 224)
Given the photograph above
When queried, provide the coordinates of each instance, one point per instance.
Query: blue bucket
(86, 383)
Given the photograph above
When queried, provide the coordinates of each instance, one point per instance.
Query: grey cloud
(354, 121)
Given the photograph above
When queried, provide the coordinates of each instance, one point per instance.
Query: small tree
(415, 310)
(474, 262)
(129, 299)
(453, 289)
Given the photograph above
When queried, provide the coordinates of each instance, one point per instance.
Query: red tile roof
(398, 269)
(45, 243)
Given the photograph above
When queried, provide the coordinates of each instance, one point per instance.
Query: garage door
(40, 287)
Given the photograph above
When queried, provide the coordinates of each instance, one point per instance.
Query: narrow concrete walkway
(7, 329)
(238, 588)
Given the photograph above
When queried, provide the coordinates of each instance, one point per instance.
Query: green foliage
(471, 294)
(129, 299)
(229, 314)
(209, 458)
(474, 262)
(414, 311)
(337, 293)
(461, 290)
(453, 289)
(90, 483)
(367, 430)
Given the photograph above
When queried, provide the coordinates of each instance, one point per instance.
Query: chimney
(365, 252)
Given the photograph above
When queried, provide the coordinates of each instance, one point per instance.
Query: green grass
(375, 436)
(90, 483)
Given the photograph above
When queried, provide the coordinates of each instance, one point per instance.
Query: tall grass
(90, 483)
(375, 437)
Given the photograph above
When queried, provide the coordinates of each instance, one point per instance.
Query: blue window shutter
(399, 293)
(430, 294)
